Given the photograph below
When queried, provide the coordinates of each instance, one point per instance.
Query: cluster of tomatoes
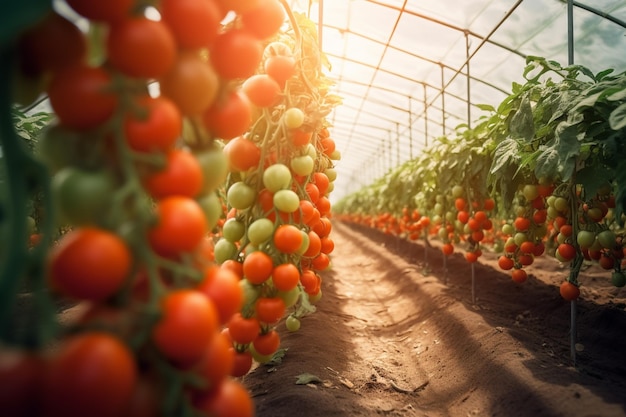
(460, 220)
(166, 112)
(560, 220)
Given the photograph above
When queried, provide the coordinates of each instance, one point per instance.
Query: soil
(399, 333)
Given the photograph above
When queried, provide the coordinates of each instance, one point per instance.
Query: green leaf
(486, 107)
(307, 378)
(617, 118)
(522, 124)
(593, 178)
(506, 152)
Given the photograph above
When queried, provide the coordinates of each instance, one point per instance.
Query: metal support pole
(426, 107)
(410, 129)
(467, 67)
(443, 101)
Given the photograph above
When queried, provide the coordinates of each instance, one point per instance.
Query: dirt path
(390, 340)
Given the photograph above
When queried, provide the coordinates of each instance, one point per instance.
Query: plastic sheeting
(412, 70)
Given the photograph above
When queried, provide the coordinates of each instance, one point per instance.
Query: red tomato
(281, 68)
(230, 117)
(243, 363)
(217, 362)
(262, 90)
(187, 326)
(229, 399)
(182, 176)
(242, 154)
(286, 276)
(243, 330)
(155, 126)
(20, 382)
(92, 373)
(221, 285)
(269, 309)
(268, 343)
(109, 11)
(180, 228)
(257, 267)
(53, 43)
(264, 20)
(287, 238)
(79, 97)
(236, 53)
(194, 23)
(191, 83)
(89, 263)
(140, 47)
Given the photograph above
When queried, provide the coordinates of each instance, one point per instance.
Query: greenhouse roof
(409, 71)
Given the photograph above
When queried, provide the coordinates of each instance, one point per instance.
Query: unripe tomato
(276, 177)
(293, 118)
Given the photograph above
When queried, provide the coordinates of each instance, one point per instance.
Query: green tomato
(286, 201)
(212, 208)
(315, 298)
(224, 250)
(292, 323)
(438, 209)
(585, 238)
(458, 191)
(276, 177)
(82, 196)
(293, 118)
(57, 147)
(607, 239)
(508, 229)
(249, 291)
(302, 165)
(240, 195)
(331, 173)
(290, 297)
(214, 165)
(561, 204)
(618, 279)
(336, 155)
(260, 230)
(305, 243)
(520, 238)
(311, 151)
(233, 230)
(530, 192)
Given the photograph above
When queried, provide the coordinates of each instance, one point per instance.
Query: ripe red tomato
(109, 11)
(191, 83)
(243, 330)
(287, 238)
(221, 285)
(286, 276)
(229, 399)
(181, 226)
(155, 126)
(92, 373)
(264, 20)
(236, 53)
(569, 291)
(243, 154)
(194, 23)
(229, 117)
(79, 97)
(182, 176)
(567, 251)
(262, 90)
(89, 263)
(187, 326)
(140, 47)
(269, 309)
(268, 343)
(519, 275)
(53, 43)
(506, 263)
(281, 68)
(257, 267)
(217, 362)
(20, 382)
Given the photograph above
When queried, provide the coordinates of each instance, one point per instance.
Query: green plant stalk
(20, 168)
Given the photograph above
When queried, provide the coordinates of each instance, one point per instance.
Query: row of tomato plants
(184, 200)
(543, 173)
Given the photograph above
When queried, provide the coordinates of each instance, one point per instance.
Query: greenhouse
(237, 208)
